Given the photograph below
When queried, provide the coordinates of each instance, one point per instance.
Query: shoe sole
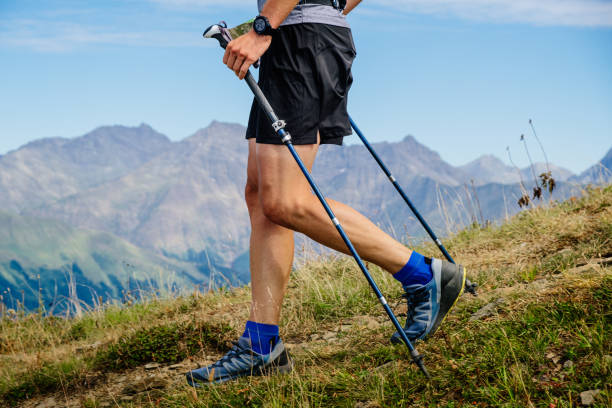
(260, 372)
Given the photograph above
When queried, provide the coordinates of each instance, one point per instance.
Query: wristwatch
(262, 26)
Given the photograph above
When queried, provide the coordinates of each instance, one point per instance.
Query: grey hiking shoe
(428, 305)
(241, 361)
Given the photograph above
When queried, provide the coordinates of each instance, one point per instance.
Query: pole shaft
(469, 285)
(401, 191)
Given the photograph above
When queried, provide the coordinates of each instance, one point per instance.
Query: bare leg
(287, 200)
(280, 200)
(271, 247)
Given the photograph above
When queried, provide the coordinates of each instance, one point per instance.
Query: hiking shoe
(241, 361)
(428, 305)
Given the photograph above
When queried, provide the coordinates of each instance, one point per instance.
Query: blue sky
(462, 76)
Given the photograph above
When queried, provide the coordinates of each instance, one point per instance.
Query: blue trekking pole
(469, 286)
(221, 34)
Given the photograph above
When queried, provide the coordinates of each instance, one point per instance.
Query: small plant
(548, 181)
(524, 199)
(537, 190)
(546, 178)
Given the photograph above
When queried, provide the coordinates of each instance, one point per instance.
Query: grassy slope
(545, 274)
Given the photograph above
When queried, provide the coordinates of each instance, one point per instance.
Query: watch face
(259, 25)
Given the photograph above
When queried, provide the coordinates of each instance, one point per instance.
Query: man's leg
(280, 200)
(432, 286)
(271, 245)
(286, 199)
(259, 349)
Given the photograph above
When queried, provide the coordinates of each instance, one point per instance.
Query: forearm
(277, 10)
(350, 5)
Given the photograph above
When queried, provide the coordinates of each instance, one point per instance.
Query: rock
(88, 347)
(367, 404)
(487, 310)
(47, 403)
(539, 283)
(345, 327)
(553, 357)
(329, 336)
(568, 364)
(151, 366)
(296, 346)
(384, 366)
(146, 384)
(588, 397)
(175, 366)
(367, 321)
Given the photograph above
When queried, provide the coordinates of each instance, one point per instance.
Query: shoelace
(413, 299)
(236, 351)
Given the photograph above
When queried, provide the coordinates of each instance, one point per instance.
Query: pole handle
(217, 31)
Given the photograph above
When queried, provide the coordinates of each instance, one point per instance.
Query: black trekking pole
(218, 32)
(469, 286)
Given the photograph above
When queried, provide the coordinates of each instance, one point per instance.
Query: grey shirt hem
(312, 13)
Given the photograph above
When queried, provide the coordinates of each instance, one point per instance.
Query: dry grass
(549, 264)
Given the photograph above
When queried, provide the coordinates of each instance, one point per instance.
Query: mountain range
(129, 196)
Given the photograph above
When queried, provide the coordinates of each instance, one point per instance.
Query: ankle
(417, 271)
(262, 336)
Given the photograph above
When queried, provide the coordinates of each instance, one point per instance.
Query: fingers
(231, 60)
(244, 69)
(237, 61)
(240, 60)
(228, 52)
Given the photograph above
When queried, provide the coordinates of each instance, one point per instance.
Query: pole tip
(418, 360)
(470, 287)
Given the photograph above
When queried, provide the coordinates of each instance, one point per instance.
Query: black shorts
(306, 76)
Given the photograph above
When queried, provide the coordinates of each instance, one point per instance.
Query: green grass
(552, 313)
(496, 363)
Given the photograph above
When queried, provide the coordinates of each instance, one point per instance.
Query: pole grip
(216, 31)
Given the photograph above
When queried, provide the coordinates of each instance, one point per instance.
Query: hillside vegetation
(539, 334)
(47, 262)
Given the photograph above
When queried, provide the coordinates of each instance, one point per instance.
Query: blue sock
(261, 336)
(416, 271)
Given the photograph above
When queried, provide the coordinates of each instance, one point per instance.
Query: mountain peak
(486, 160)
(409, 138)
(217, 129)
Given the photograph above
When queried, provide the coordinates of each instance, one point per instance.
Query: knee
(283, 210)
(275, 209)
